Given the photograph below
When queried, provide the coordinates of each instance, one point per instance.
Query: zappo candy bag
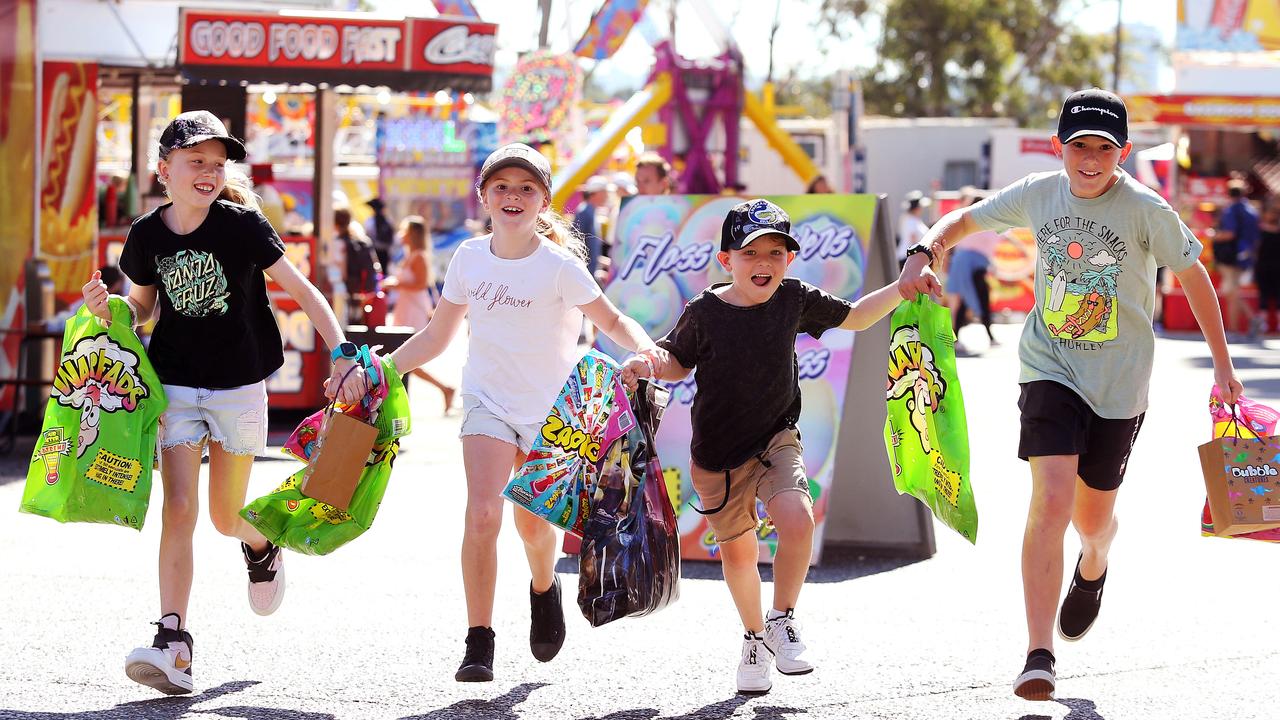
(925, 432)
(93, 458)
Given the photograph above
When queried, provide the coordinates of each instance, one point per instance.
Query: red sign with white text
(260, 39)
(451, 46)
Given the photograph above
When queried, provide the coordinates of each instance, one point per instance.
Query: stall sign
(1239, 110)
(261, 39)
(452, 46)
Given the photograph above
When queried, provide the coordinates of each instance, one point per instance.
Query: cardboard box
(1242, 478)
(339, 460)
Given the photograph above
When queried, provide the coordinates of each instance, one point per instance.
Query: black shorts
(1057, 421)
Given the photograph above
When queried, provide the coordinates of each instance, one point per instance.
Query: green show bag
(925, 433)
(292, 520)
(93, 458)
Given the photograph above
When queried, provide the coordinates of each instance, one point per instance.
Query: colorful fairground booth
(335, 108)
(1225, 108)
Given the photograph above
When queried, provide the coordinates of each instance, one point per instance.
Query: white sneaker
(166, 665)
(266, 579)
(782, 637)
(753, 670)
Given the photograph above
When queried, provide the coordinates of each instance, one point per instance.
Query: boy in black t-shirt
(739, 338)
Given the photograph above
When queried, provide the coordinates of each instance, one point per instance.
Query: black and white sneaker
(477, 664)
(266, 578)
(166, 664)
(1081, 605)
(782, 638)
(546, 621)
(1037, 681)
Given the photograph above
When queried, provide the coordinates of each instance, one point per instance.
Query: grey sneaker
(166, 664)
(782, 637)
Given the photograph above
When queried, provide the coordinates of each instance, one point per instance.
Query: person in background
(653, 175)
(113, 201)
(1233, 244)
(595, 201)
(415, 282)
(967, 290)
(263, 178)
(1266, 265)
(819, 185)
(117, 284)
(911, 225)
(354, 252)
(380, 230)
(625, 184)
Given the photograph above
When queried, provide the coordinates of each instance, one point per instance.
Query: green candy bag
(94, 456)
(925, 432)
(292, 520)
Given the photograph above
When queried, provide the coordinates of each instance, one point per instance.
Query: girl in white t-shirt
(525, 288)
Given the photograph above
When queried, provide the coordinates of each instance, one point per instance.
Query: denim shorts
(235, 418)
(478, 419)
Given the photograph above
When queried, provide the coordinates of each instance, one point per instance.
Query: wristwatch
(346, 350)
(921, 248)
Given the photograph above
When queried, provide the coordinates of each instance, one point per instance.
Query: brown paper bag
(1242, 478)
(338, 460)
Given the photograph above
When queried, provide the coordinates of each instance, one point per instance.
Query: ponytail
(239, 188)
(552, 226)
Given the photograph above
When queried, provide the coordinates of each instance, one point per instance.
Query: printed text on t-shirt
(501, 295)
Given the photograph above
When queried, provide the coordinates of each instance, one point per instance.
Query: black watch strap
(921, 248)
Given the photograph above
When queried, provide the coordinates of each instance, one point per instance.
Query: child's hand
(1229, 387)
(351, 391)
(917, 277)
(96, 296)
(634, 369)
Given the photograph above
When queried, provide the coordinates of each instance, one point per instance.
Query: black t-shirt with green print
(216, 328)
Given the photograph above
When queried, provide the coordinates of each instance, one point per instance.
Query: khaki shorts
(753, 479)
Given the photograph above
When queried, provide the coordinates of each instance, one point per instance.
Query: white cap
(596, 183)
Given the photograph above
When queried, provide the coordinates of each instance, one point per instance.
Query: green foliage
(985, 58)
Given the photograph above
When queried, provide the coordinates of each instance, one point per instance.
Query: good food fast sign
(260, 40)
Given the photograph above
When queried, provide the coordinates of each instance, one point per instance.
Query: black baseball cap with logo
(753, 219)
(521, 156)
(194, 127)
(1094, 112)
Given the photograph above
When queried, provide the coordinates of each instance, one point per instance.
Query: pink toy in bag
(1250, 420)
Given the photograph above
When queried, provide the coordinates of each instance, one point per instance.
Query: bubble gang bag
(292, 520)
(925, 432)
(95, 453)
(629, 562)
(563, 466)
(1252, 450)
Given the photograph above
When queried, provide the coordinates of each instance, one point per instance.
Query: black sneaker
(1037, 679)
(166, 664)
(1080, 606)
(546, 622)
(477, 664)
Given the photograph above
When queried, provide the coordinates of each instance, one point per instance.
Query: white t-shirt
(525, 323)
(911, 230)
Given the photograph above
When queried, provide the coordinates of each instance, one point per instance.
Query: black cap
(752, 219)
(1094, 112)
(194, 127)
(521, 156)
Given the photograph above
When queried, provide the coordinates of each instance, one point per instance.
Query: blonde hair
(239, 188)
(552, 225)
(414, 229)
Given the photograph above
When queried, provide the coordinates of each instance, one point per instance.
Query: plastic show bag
(629, 563)
(925, 433)
(1241, 468)
(292, 520)
(95, 453)
(563, 466)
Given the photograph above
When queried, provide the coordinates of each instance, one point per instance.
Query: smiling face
(513, 197)
(1090, 161)
(758, 268)
(195, 176)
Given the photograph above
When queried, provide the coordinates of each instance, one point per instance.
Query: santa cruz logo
(98, 375)
(195, 283)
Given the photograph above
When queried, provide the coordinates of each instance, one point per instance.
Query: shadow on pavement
(174, 707)
(716, 711)
(499, 708)
(838, 564)
(1081, 709)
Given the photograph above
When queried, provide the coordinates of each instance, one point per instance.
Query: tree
(1006, 58)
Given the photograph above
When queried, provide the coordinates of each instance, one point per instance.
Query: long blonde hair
(239, 188)
(414, 229)
(552, 226)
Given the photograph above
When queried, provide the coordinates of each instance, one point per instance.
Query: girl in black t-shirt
(200, 259)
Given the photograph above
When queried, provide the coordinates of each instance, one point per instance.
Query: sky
(748, 22)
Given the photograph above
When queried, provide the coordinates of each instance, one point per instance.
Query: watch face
(348, 349)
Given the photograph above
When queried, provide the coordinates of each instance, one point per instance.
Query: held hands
(918, 277)
(644, 364)
(96, 296)
(353, 389)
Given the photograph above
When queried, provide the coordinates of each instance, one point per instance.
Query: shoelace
(478, 650)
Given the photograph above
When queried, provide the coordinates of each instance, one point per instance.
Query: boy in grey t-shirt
(1086, 350)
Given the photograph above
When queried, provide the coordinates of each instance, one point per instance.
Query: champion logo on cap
(1082, 108)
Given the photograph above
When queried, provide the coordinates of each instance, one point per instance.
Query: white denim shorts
(478, 419)
(235, 418)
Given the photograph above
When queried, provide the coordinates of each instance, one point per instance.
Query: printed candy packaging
(94, 456)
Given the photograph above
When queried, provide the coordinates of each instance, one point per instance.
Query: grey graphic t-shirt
(216, 328)
(1095, 277)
